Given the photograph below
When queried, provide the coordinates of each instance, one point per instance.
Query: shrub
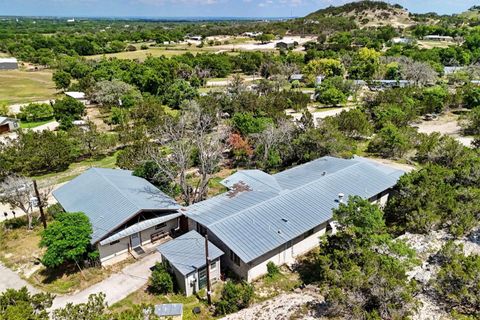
(54, 209)
(160, 280)
(36, 112)
(20, 222)
(272, 269)
(234, 297)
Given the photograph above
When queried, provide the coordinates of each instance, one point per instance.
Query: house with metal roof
(8, 124)
(8, 64)
(278, 217)
(186, 259)
(128, 214)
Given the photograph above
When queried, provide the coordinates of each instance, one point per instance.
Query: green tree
(94, 309)
(67, 110)
(247, 123)
(67, 239)
(331, 96)
(354, 123)
(391, 142)
(326, 67)
(179, 92)
(265, 38)
(21, 304)
(160, 281)
(62, 79)
(471, 96)
(471, 123)
(36, 112)
(359, 280)
(457, 283)
(235, 296)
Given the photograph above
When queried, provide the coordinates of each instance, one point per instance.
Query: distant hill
(472, 14)
(368, 14)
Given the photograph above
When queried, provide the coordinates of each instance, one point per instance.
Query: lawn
(30, 125)
(142, 296)
(20, 251)
(22, 87)
(75, 169)
(155, 52)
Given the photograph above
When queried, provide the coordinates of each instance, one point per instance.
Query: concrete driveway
(9, 279)
(117, 286)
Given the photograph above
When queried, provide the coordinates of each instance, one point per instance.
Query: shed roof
(75, 94)
(169, 309)
(253, 223)
(8, 60)
(187, 252)
(7, 119)
(111, 197)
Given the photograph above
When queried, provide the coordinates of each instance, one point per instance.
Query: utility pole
(209, 291)
(40, 204)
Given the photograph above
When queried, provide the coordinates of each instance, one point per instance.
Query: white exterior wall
(285, 254)
(111, 254)
(189, 284)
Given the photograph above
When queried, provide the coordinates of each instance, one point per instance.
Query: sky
(202, 8)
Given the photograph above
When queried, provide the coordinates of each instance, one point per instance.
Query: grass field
(154, 52)
(21, 87)
(30, 125)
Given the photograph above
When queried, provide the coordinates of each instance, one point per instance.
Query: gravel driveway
(117, 286)
(9, 279)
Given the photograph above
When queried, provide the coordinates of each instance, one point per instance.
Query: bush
(36, 112)
(234, 297)
(272, 269)
(20, 222)
(54, 209)
(160, 280)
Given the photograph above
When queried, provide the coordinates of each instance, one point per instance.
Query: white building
(8, 64)
(129, 215)
(279, 217)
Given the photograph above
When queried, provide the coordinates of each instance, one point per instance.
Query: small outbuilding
(282, 45)
(8, 64)
(8, 124)
(172, 311)
(80, 96)
(185, 258)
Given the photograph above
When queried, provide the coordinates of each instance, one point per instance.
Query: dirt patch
(447, 124)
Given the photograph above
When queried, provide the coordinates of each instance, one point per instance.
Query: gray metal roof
(256, 179)
(169, 310)
(111, 197)
(143, 225)
(7, 119)
(187, 252)
(265, 221)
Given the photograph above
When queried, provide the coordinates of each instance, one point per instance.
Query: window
(160, 226)
(213, 265)
(114, 242)
(308, 233)
(234, 258)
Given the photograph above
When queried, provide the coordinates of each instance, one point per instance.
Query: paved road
(9, 279)
(117, 286)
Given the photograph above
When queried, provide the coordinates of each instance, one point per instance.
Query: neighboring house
(80, 96)
(297, 77)
(185, 257)
(384, 84)
(128, 214)
(195, 38)
(434, 37)
(252, 34)
(278, 217)
(8, 124)
(8, 64)
(475, 82)
(286, 45)
(402, 40)
(170, 311)
(452, 70)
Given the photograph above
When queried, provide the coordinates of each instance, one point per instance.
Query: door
(202, 278)
(135, 240)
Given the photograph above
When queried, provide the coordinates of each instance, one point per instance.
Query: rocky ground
(427, 247)
(288, 306)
